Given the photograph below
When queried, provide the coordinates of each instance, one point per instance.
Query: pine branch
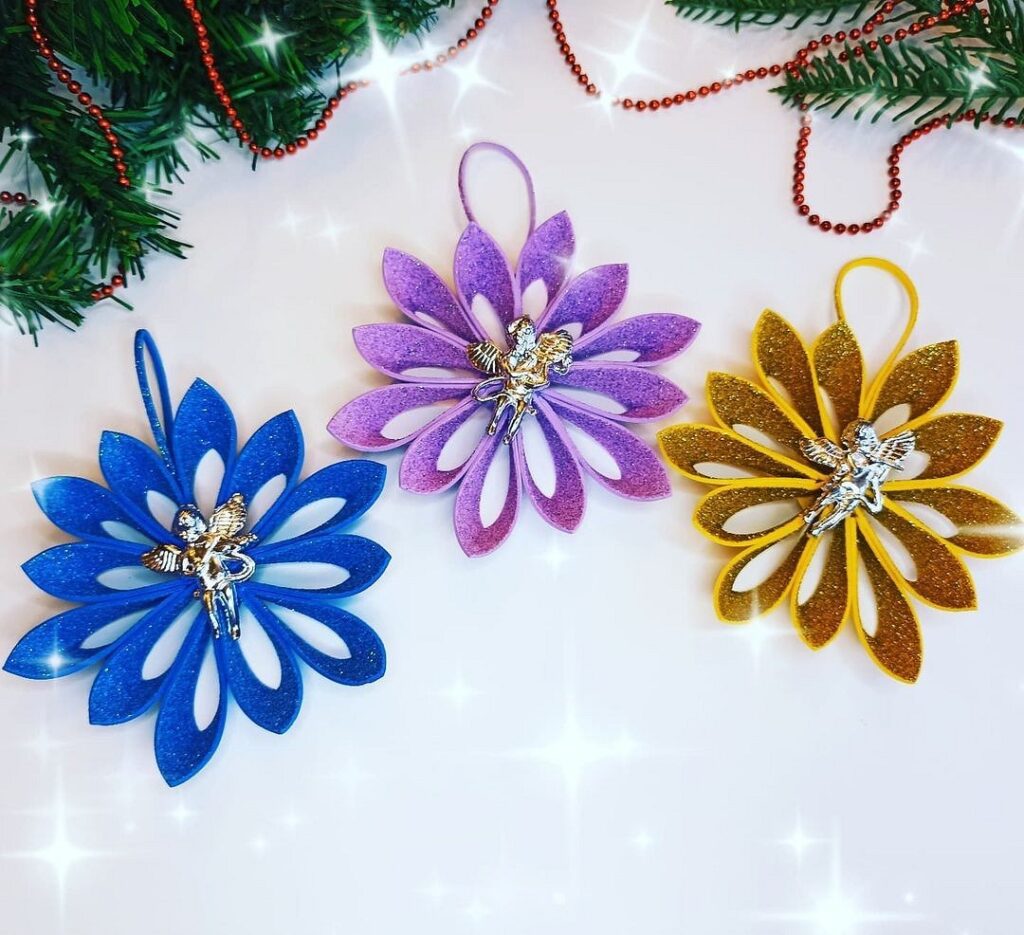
(975, 64)
(794, 13)
(143, 57)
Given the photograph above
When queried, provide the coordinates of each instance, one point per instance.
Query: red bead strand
(63, 73)
(805, 58)
(347, 90)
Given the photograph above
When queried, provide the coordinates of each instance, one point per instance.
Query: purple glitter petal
(564, 508)
(475, 538)
(395, 349)
(654, 338)
(642, 394)
(546, 255)
(359, 423)
(419, 292)
(481, 269)
(419, 472)
(643, 477)
(589, 300)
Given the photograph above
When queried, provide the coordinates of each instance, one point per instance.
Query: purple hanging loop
(160, 422)
(516, 161)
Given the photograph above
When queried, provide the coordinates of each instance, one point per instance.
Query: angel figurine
(859, 468)
(519, 372)
(213, 554)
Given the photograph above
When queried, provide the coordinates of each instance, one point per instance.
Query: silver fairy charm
(859, 467)
(518, 372)
(212, 553)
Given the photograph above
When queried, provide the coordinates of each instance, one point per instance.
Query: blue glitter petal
(367, 659)
(275, 448)
(119, 692)
(182, 748)
(203, 423)
(358, 482)
(363, 559)
(70, 571)
(273, 709)
(131, 470)
(54, 647)
(81, 507)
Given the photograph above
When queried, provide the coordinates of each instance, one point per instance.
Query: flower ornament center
(211, 552)
(517, 373)
(860, 464)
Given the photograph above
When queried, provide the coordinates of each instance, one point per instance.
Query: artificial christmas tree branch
(145, 63)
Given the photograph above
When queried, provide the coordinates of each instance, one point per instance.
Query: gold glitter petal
(922, 380)
(719, 506)
(955, 443)
(839, 367)
(736, 402)
(780, 354)
(686, 446)
(820, 617)
(985, 527)
(741, 606)
(942, 579)
(896, 643)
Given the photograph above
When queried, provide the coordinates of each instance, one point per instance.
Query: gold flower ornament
(838, 497)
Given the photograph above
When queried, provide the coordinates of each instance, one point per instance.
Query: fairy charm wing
(822, 451)
(893, 451)
(165, 558)
(229, 518)
(485, 355)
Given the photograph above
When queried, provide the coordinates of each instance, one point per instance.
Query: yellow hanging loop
(908, 285)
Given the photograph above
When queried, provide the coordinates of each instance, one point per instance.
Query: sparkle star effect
(469, 77)
(626, 64)
(460, 692)
(61, 853)
(383, 69)
(837, 911)
(269, 39)
(799, 842)
(573, 752)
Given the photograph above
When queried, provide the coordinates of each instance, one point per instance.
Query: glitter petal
(736, 402)
(739, 606)
(689, 447)
(839, 368)
(955, 443)
(820, 616)
(723, 503)
(781, 355)
(985, 527)
(896, 642)
(922, 380)
(942, 580)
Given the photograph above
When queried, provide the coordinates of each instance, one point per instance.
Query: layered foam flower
(768, 490)
(608, 384)
(149, 633)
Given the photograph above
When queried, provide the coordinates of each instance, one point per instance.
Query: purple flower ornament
(570, 372)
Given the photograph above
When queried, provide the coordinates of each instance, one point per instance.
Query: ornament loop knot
(531, 195)
(160, 420)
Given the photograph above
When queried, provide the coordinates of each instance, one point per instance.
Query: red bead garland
(313, 133)
(19, 199)
(804, 59)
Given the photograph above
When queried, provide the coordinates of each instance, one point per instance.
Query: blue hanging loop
(159, 422)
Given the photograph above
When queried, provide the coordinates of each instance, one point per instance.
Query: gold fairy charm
(520, 371)
(213, 555)
(811, 493)
(860, 464)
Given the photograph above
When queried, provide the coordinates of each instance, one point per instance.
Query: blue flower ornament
(168, 592)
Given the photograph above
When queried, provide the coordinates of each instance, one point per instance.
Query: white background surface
(566, 741)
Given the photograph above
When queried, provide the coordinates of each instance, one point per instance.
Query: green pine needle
(144, 59)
